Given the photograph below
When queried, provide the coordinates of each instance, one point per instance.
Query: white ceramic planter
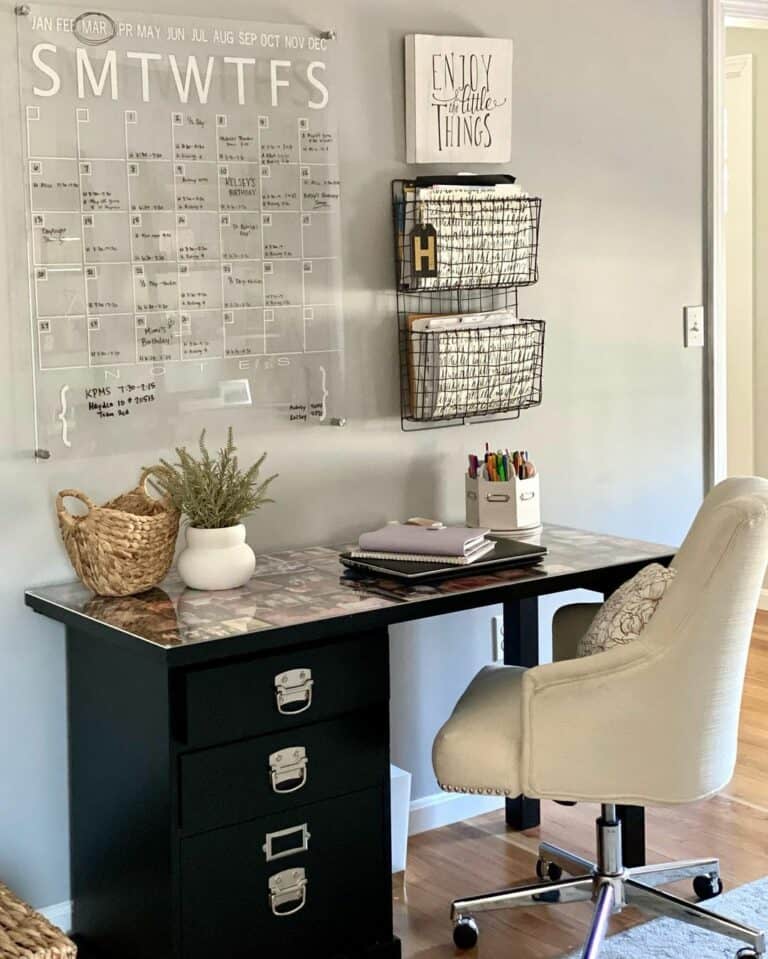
(216, 558)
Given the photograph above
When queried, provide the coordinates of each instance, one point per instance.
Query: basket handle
(63, 513)
(145, 474)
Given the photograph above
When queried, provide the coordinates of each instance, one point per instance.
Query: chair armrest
(594, 729)
(568, 626)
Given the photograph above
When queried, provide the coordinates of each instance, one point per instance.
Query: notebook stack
(448, 545)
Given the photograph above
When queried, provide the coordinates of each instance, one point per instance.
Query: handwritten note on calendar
(183, 202)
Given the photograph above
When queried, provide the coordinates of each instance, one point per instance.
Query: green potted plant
(214, 495)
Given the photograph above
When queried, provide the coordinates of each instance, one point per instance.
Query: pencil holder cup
(513, 506)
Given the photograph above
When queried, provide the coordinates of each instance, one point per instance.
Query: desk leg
(521, 648)
(632, 834)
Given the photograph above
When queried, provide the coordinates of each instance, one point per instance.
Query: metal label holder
(301, 832)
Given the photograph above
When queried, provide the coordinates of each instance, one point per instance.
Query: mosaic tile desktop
(298, 586)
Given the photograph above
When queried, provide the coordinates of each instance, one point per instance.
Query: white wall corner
(762, 603)
(443, 809)
(60, 915)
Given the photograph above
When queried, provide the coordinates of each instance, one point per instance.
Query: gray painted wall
(608, 112)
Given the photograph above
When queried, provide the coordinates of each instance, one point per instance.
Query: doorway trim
(721, 13)
(739, 292)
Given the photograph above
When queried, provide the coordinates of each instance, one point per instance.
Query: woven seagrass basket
(25, 934)
(125, 546)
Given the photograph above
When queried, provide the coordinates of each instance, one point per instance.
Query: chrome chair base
(611, 888)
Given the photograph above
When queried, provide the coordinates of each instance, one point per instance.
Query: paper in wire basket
(475, 372)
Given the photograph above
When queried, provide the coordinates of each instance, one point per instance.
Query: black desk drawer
(332, 894)
(280, 771)
(246, 698)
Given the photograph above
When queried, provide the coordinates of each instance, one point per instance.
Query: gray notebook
(402, 538)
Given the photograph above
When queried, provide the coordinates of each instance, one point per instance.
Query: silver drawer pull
(286, 842)
(287, 891)
(293, 688)
(497, 497)
(529, 495)
(288, 766)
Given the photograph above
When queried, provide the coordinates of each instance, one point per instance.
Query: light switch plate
(693, 326)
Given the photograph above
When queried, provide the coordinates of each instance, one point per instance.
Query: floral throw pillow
(625, 613)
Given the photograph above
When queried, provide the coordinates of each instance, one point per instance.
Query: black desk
(229, 752)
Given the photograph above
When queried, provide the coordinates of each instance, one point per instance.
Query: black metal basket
(456, 258)
(464, 373)
(486, 242)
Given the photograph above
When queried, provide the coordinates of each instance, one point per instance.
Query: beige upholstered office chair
(651, 722)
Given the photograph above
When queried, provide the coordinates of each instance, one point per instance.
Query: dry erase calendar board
(182, 188)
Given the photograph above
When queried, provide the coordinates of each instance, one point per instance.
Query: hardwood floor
(481, 854)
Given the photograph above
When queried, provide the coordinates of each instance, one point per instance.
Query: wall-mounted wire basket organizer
(465, 257)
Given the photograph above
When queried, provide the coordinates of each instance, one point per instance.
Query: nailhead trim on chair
(475, 790)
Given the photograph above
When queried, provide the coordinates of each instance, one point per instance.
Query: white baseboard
(60, 915)
(762, 603)
(429, 812)
(443, 809)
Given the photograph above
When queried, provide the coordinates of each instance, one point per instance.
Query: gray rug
(668, 939)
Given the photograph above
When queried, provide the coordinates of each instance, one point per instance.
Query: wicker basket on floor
(25, 934)
(125, 546)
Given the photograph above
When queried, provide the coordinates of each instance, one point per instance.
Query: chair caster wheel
(465, 933)
(548, 870)
(707, 887)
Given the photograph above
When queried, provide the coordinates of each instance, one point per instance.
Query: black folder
(508, 553)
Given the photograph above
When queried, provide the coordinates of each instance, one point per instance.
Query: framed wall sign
(458, 93)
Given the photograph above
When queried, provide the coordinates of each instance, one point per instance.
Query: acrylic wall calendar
(183, 195)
